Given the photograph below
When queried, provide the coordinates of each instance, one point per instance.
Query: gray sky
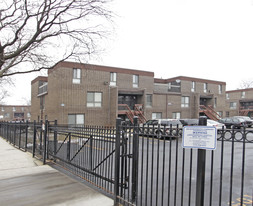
(195, 38)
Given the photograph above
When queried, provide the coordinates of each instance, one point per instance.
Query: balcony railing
(42, 89)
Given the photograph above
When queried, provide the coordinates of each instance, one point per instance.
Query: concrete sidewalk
(25, 181)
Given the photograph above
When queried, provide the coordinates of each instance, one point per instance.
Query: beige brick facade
(15, 113)
(66, 99)
(239, 102)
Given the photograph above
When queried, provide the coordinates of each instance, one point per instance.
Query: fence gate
(126, 163)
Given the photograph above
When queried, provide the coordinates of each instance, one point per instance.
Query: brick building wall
(15, 113)
(237, 100)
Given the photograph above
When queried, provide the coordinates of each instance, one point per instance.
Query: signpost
(202, 138)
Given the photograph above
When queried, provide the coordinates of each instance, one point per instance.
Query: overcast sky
(195, 38)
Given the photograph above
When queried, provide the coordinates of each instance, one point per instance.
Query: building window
(149, 100)
(215, 102)
(243, 94)
(205, 87)
(157, 115)
(76, 119)
(42, 102)
(227, 95)
(94, 99)
(135, 81)
(169, 86)
(13, 109)
(76, 76)
(232, 105)
(7, 115)
(220, 89)
(113, 79)
(28, 114)
(2, 109)
(185, 101)
(193, 88)
(176, 115)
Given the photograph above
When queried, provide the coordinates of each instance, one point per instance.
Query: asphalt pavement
(25, 181)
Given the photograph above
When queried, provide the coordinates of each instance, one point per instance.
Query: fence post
(34, 137)
(117, 161)
(26, 134)
(91, 148)
(201, 167)
(19, 140)
(45, 143)
(15, 128)
(55, 139)
(68, 147)
(135, 161)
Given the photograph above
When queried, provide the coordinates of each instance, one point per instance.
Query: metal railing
(139, 168)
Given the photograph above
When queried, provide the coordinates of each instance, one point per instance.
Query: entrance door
(130, 100)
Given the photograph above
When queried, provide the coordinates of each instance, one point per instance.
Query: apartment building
(75, 93)
(239, 102)
(187, 97)
(15, 112)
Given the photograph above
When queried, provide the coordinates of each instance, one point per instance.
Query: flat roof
(101, 68)
(164, 81)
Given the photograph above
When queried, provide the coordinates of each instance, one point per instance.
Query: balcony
(42, 89)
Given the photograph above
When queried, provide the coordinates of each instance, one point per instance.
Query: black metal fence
(136, 167)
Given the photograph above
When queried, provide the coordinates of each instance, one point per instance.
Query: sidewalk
(25, 181)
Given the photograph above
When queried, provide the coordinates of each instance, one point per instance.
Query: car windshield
(171, 122)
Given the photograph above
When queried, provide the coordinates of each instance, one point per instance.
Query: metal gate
(136, 167)
(86, 151)
(155, 170)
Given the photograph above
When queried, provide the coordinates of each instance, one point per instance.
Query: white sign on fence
(199, 137)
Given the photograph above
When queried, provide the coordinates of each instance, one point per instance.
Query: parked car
(159, 127)
(189, 122)
(216, 124)
(233, 122)
(248, 120)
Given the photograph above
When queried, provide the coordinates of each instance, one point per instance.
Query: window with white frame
(14, 109)
(205, 87)
(227, 95)
(76, 76)
(193, 87)
(232, 105)
(220, 89)
(135, 81)
(113, 79)
(176, 115)
(243, 94)
(157, 115)
(185, 101)
(149, 100)
(94, 99)
(2, 109)
(76, 119)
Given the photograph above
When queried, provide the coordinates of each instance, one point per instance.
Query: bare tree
(5, 84)
(245, 84)
(38, 34)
